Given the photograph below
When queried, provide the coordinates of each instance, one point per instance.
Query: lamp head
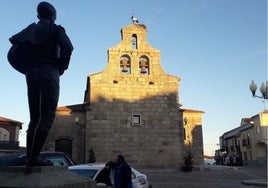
(253, 87)
(263, 90)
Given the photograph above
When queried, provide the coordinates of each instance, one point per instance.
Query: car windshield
(85, 172)
(57, 161)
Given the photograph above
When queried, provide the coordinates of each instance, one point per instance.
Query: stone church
(130, 108)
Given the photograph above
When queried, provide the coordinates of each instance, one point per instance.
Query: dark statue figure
(41, 52)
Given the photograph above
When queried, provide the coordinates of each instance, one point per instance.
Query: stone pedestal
(42, 177)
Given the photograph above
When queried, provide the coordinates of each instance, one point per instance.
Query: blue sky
(216, 47)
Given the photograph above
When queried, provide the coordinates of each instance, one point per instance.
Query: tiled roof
(236, 131)
(192, 110)
(5, 121)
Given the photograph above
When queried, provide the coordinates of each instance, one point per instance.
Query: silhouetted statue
(42, 52)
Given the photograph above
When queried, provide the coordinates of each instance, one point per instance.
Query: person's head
(46, 11)
(119, 159)
(109, 165)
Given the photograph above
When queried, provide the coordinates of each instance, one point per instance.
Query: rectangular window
(136, 119)
(258, 129)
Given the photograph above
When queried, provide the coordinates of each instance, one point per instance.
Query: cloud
(251, 57)
(161, 10)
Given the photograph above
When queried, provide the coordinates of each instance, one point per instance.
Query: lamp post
(263, 90)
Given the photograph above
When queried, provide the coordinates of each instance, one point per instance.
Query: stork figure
(134, 20)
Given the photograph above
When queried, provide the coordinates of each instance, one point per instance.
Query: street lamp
(76, 120)
(263, 90)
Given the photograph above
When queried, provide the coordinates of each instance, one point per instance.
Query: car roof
(18, 159)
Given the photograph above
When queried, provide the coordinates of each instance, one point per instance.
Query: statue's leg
(48, 100)
(39, 139)
(34, 109)
(29, 142)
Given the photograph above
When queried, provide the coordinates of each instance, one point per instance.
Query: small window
(238, 142)
(258, 129)
(134, 42)
(4, 134)
(136, 119)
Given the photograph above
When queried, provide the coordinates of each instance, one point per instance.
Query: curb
(258, 182)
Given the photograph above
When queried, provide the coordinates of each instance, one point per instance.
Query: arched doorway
(64, 145)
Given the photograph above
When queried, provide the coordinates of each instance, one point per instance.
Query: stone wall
(155, 142)
(194, 134)
(65, 127)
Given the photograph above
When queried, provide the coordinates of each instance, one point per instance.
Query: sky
(216, 47)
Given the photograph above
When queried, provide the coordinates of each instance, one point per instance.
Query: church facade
(130, 108)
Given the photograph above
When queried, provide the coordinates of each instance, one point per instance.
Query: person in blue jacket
(122, 173)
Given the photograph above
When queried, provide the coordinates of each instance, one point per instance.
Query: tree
(91, 156)
(188, 162)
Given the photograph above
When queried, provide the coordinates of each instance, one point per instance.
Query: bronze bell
(124, 69)
(143, 70)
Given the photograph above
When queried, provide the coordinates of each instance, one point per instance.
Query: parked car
(209, 162)
(19, 159)
(92, 171)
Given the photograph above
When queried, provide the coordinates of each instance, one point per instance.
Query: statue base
(42, 177)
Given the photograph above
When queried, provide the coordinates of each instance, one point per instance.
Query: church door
(64, 145)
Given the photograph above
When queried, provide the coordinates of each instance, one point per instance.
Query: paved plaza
(209, 177)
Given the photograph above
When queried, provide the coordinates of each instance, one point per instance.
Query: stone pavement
(42, 177)
(257, 173)
(208, 176)
(260, 173)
